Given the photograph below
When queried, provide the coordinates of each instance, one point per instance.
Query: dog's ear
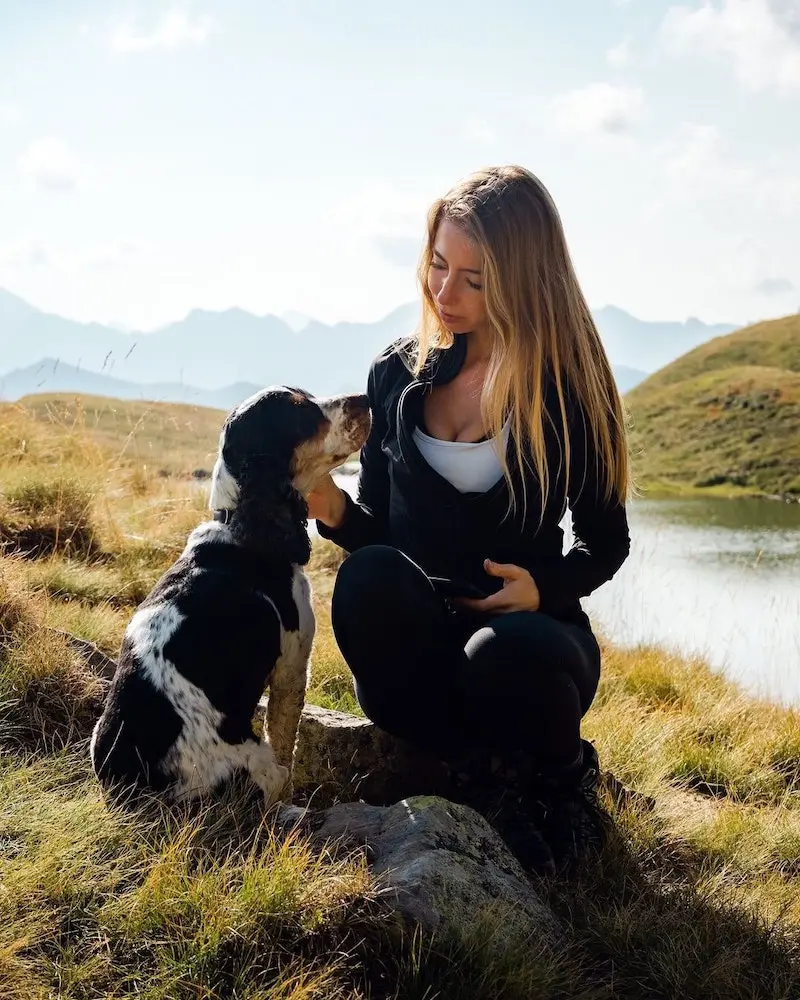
(271, 515)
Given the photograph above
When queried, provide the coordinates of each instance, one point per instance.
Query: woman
(456, 610)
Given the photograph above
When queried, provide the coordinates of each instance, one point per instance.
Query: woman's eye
(475, 285)
(439, 267)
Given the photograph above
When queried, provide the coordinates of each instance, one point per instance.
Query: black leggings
(451, 683)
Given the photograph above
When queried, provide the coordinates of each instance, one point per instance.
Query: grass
(723, 418)
(695, 896)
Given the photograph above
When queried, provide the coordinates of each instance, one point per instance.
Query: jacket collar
(443, 363)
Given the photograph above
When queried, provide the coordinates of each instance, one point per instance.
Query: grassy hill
(697, 897)
(725, 416)
(174, 437)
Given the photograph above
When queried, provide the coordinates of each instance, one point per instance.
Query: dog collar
(223, 515)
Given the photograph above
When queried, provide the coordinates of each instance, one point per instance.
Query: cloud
(599, 107)
(402, 251)
(176, 29)
(10, 114)
(27, 254)
(109, 255)
(34, 253)
(774, 286)
(479, 131)
(697, 159)
(390, 220)
(48, 164)
(760, 39)
(619, 55)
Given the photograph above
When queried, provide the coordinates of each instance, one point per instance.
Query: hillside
(725, 415)
(51, 375)
(168, 438)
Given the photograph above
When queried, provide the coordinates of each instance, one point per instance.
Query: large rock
(342, 757)
(441, 865)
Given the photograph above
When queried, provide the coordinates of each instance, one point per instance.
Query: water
(712, 577)
(719, 578)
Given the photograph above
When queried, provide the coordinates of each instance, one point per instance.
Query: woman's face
(454, 279)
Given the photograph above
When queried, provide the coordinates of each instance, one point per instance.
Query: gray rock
(440, 865)
(342, 757)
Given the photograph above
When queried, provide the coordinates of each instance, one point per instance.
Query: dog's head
(274, 447)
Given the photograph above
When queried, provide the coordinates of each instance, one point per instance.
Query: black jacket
(402, 501)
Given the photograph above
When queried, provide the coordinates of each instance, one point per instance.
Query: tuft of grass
(47, 699)
(42, 515)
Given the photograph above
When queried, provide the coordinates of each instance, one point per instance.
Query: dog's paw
(274, 787)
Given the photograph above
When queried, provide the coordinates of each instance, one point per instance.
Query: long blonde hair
(540, 321)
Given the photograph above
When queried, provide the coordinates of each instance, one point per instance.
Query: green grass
(724, 418)
(773, 344)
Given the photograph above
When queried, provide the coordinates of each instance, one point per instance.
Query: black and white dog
(232, 615)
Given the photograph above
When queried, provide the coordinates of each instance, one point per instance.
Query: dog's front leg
(287, 693)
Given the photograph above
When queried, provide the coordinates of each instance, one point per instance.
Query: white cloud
(49, 164)
(760, 38)
(599, 107)
(176, 29)
(402, 251)
(109, 255)
(10, 114)
(775, 286)
(697, 162)
(479, 131)
(389, 220)
(33, 253)
(27, 254)
(619, 55)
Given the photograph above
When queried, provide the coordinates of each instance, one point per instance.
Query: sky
(157, 157)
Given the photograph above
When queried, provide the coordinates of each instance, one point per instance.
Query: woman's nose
(446, 292)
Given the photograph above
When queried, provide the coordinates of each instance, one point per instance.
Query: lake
(714, 577)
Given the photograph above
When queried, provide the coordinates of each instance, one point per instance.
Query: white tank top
(470, 466)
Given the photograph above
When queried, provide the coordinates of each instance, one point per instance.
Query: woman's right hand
(326, 502)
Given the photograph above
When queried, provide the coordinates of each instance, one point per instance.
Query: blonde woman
(456, 610)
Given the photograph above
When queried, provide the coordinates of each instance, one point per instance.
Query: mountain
(626, 378)
(726, 414)
(52, 376)
(207, 350)
(649, 345)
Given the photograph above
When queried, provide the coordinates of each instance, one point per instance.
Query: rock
(342, 757)
(95, 659)
(440, 865)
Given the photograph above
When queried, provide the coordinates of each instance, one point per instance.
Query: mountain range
(219, 358)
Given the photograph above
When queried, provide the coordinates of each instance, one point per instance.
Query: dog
(233, 614)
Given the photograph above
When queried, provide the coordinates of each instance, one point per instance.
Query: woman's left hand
(519, 591)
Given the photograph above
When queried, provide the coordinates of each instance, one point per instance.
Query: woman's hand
(326, 502)
(519, 591)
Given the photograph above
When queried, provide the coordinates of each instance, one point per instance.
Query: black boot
(571, 819)
(493, 787)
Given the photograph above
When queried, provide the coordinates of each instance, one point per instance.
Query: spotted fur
(233, 616)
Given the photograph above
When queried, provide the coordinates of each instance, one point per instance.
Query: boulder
(440, 865)
(341, 757)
